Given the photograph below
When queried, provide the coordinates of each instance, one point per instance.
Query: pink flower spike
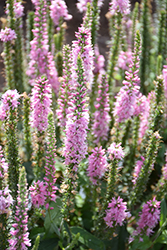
(97, 164)
(7, 35)
(149, 218)
(116, 212)
(18, 9)
(10, 99)
(40, 104)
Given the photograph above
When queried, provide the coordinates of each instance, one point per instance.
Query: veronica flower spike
(19, 231)
(6, 201)
(77, 121)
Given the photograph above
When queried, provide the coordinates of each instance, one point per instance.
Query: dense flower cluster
(58, 9)
(40, 104)
(6, 200)
(149, 218)
(38, 193)
(97, 164)
(9, 100)
(116, 212)
(122, 6)
(115, 151)
(7, 34)
(101, 116)
(125, 103)
(42, 192)
(18, 9)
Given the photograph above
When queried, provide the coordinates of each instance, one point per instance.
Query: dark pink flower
(97, 164)
(116, 212)
(38, 193)
(149, 218)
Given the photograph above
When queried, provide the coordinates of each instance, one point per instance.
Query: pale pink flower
(81, 5)
(10, 99)
(125, 103)
(7, 34)
(18, 9)
(99, 62)
(115, 151)
(124, 59)
(6, 200)
(122, 6)
(58, 9)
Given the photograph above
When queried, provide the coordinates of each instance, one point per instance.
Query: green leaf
(49, 244)
(163, 212)
(59, 166)
(118, 242)
(142, 245)
(162, 238)
(53, 217)
(37, 231)
(88, 239)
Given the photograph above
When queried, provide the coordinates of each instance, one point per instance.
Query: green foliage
(88, 239)
(36, 245)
